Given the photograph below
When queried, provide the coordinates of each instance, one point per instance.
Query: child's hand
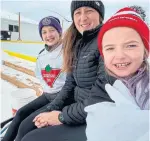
(39, 91)
(121, 95)
(120, 119)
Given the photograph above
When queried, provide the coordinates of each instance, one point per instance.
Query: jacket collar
(90, 34)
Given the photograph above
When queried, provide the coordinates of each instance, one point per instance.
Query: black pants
(57, 133)
(23, 128)
(19, 126)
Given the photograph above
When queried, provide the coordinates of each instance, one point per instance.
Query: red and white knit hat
(125, 17)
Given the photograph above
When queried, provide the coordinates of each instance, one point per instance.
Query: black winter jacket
(85, 85)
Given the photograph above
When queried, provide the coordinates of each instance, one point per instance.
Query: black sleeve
(98, 92)
(65, 96)
(75, 114)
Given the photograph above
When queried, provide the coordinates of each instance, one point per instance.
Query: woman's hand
(47, 118)
(41, 120)
(54, 118)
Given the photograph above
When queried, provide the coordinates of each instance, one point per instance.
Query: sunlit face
(50, 35)
(86, 18)
(123, 51)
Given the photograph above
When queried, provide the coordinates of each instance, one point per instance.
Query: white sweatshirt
(48, 70)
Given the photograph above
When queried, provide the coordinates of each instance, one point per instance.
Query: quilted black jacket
(85, 85)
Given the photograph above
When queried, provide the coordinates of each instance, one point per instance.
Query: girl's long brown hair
(69, 40)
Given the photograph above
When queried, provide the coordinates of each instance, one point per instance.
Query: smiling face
(86, 18)
(50, 35)
(123, 51)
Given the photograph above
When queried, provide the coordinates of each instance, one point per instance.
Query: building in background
(11, 23)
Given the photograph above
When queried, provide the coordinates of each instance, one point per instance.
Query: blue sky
(37, 9)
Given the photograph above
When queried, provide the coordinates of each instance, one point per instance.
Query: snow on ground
(21, 62)
(18, 61)
(6, 89)
(25, 78)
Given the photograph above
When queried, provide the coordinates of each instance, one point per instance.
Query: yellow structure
(27, 42)
(22, 56)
